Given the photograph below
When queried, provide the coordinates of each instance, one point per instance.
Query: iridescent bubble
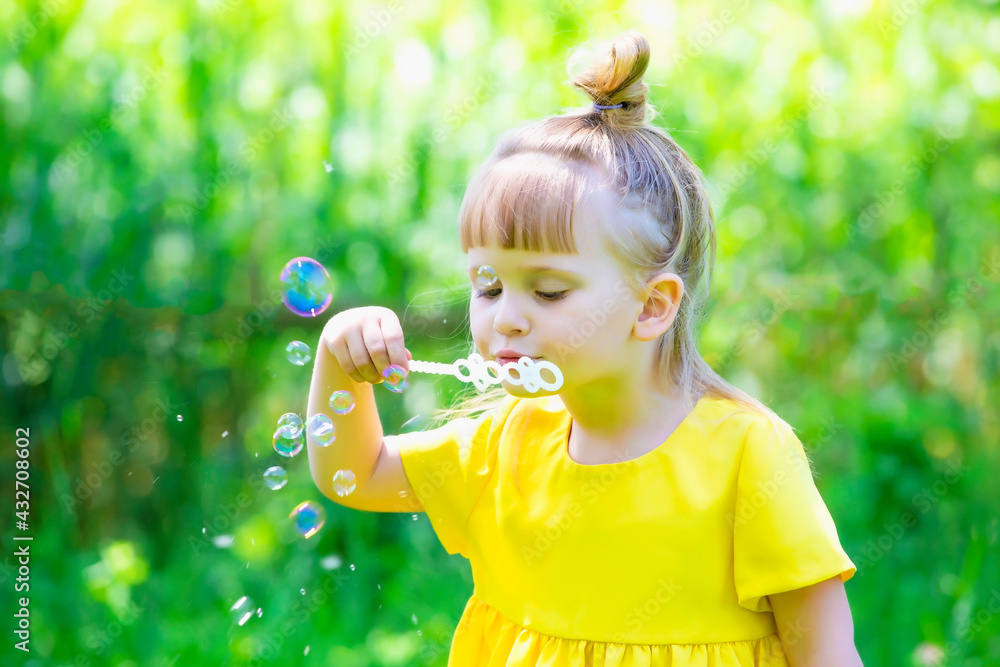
(287, 441)
(343, 482)
(275, 477)
(395, 378)
(342, 402)
(418, 423)
(321, 429)
(291, 419)
(308, 518)
(306, 287)
(298, 353)
(243, 609)
(486, 277)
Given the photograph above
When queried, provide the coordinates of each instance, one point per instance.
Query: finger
(377, 348)
(338, 348)
(365, 368)
(392, 333)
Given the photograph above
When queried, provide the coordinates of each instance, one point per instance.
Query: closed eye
(548, 296)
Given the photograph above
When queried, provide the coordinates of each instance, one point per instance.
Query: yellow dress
(664, 560)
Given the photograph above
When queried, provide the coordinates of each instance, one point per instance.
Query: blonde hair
(524, 196)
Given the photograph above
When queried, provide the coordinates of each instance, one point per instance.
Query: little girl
(645, 512)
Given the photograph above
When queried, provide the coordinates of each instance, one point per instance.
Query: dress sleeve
(448, 468)
(784, 537)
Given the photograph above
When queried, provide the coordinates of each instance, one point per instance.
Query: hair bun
(612, 73)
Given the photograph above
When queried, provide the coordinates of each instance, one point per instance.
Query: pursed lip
(505, 356)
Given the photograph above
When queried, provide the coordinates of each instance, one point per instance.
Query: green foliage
(162, 161)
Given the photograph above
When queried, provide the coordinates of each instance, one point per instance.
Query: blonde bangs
(524, 202)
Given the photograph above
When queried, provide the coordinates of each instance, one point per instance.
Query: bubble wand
(477, 371)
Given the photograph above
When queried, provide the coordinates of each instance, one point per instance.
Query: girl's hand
(365, 341)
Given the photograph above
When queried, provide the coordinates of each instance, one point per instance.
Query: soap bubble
(342, 402)
(308, 518)
(291, 419)
(243, 609)
(275, 477)
(418, 423)
(306, 287)
(395, 378)
(298, 353)
(321, 429)
(343, 482)
(287, 441)
(486, 277)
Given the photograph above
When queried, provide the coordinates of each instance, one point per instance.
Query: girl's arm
(354, 345)
(815, 625)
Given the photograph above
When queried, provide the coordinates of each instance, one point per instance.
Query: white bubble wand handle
(476, 370)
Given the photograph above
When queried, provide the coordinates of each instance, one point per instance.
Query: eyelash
(485, 294)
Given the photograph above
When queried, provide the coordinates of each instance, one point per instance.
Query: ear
(663, 300)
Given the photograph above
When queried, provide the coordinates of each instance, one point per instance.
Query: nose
(510, 318)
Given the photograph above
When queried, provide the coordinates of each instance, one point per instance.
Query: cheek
(478, 324)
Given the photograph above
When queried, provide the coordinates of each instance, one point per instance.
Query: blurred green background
(161, 162)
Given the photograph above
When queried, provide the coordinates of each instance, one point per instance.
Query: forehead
(588, 238)
(511, 262)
